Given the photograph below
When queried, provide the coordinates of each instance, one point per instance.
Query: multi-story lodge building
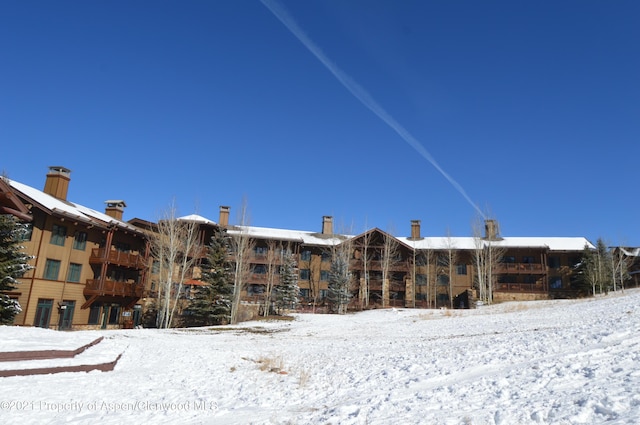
(89, 267)
(93, 270)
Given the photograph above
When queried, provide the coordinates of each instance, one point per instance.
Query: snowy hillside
(555, 362)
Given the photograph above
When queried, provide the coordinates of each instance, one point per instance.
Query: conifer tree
(13, 265)
(339, 280)
(211, 304)
(288, 291)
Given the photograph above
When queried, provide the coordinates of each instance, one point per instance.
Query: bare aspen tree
(366, 255)
(388, 259)
(450, 259)
(242, 247)
(427, 256)
(274, 257)
(487, 254)
(621, 265)
(176, 246)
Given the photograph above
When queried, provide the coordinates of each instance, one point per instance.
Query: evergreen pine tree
(339, 279)
(13, 265)
(288, 291)
(211, 304)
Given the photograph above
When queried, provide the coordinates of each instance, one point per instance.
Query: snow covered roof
(68, 209)
(631, 252)
(197, 218)
(552, 243)
(304, 237)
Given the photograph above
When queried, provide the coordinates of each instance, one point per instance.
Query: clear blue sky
(531, 107)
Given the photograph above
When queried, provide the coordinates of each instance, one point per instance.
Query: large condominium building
(93, 270)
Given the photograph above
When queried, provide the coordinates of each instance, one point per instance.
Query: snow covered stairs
(96, 355)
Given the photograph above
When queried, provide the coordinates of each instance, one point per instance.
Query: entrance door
(137, 310)
(66, 315)
(43, 313)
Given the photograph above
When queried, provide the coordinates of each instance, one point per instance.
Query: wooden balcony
(520, 287)
(113, 288)
(124, 259)
(520, 268)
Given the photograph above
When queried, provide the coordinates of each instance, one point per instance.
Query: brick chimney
(491, 230)
(224, 216)
(115, 209)
(415, 229)
(57, 183)
(327, 225)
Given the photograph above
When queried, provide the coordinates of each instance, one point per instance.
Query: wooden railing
(125, 259)
(520, 287)
(113, 288)
(524, 268)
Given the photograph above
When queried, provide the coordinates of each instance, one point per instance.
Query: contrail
(361, 94)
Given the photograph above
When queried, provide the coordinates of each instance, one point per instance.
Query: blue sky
(374, 112)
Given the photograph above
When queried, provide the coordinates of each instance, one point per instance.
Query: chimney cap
(59, 169)
(115, 203)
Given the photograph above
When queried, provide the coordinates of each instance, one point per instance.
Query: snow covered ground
(550, 362)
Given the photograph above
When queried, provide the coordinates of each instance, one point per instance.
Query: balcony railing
(113, 288)
(125, 259)
(516, 268)
(520, 287)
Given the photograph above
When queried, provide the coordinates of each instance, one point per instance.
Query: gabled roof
(10, 203)
(197, 218)
(384, 234)
(67, 209)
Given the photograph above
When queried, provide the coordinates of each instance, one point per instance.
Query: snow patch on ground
(545, 362)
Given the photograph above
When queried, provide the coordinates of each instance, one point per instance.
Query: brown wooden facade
(89, 267)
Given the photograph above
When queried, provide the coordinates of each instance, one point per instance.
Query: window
(58, 234)
(529, 279)
(421, 279)
(261, 250)
(555, 282)
(27, 232)
(304, 274)
(94, 314)
(259, 269)
(114, 314)
(155, 267)
(461, 269)
(74, 272)
(442, 260)
(324, 275)
(51, 269)
(527, 259)
(122, 247)
(507, 278)
(554, 262)
(326, 257)
(508, 259)
(443, 279)
(254, 289)
(304, 293)
(574, 261)
(80, 241)
(305, 255)
(324, 293)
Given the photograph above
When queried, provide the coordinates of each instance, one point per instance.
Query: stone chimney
(327, 225)
(415, 230)
(224, 216)
(115, 209)
(491, 230)
(57, 183)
